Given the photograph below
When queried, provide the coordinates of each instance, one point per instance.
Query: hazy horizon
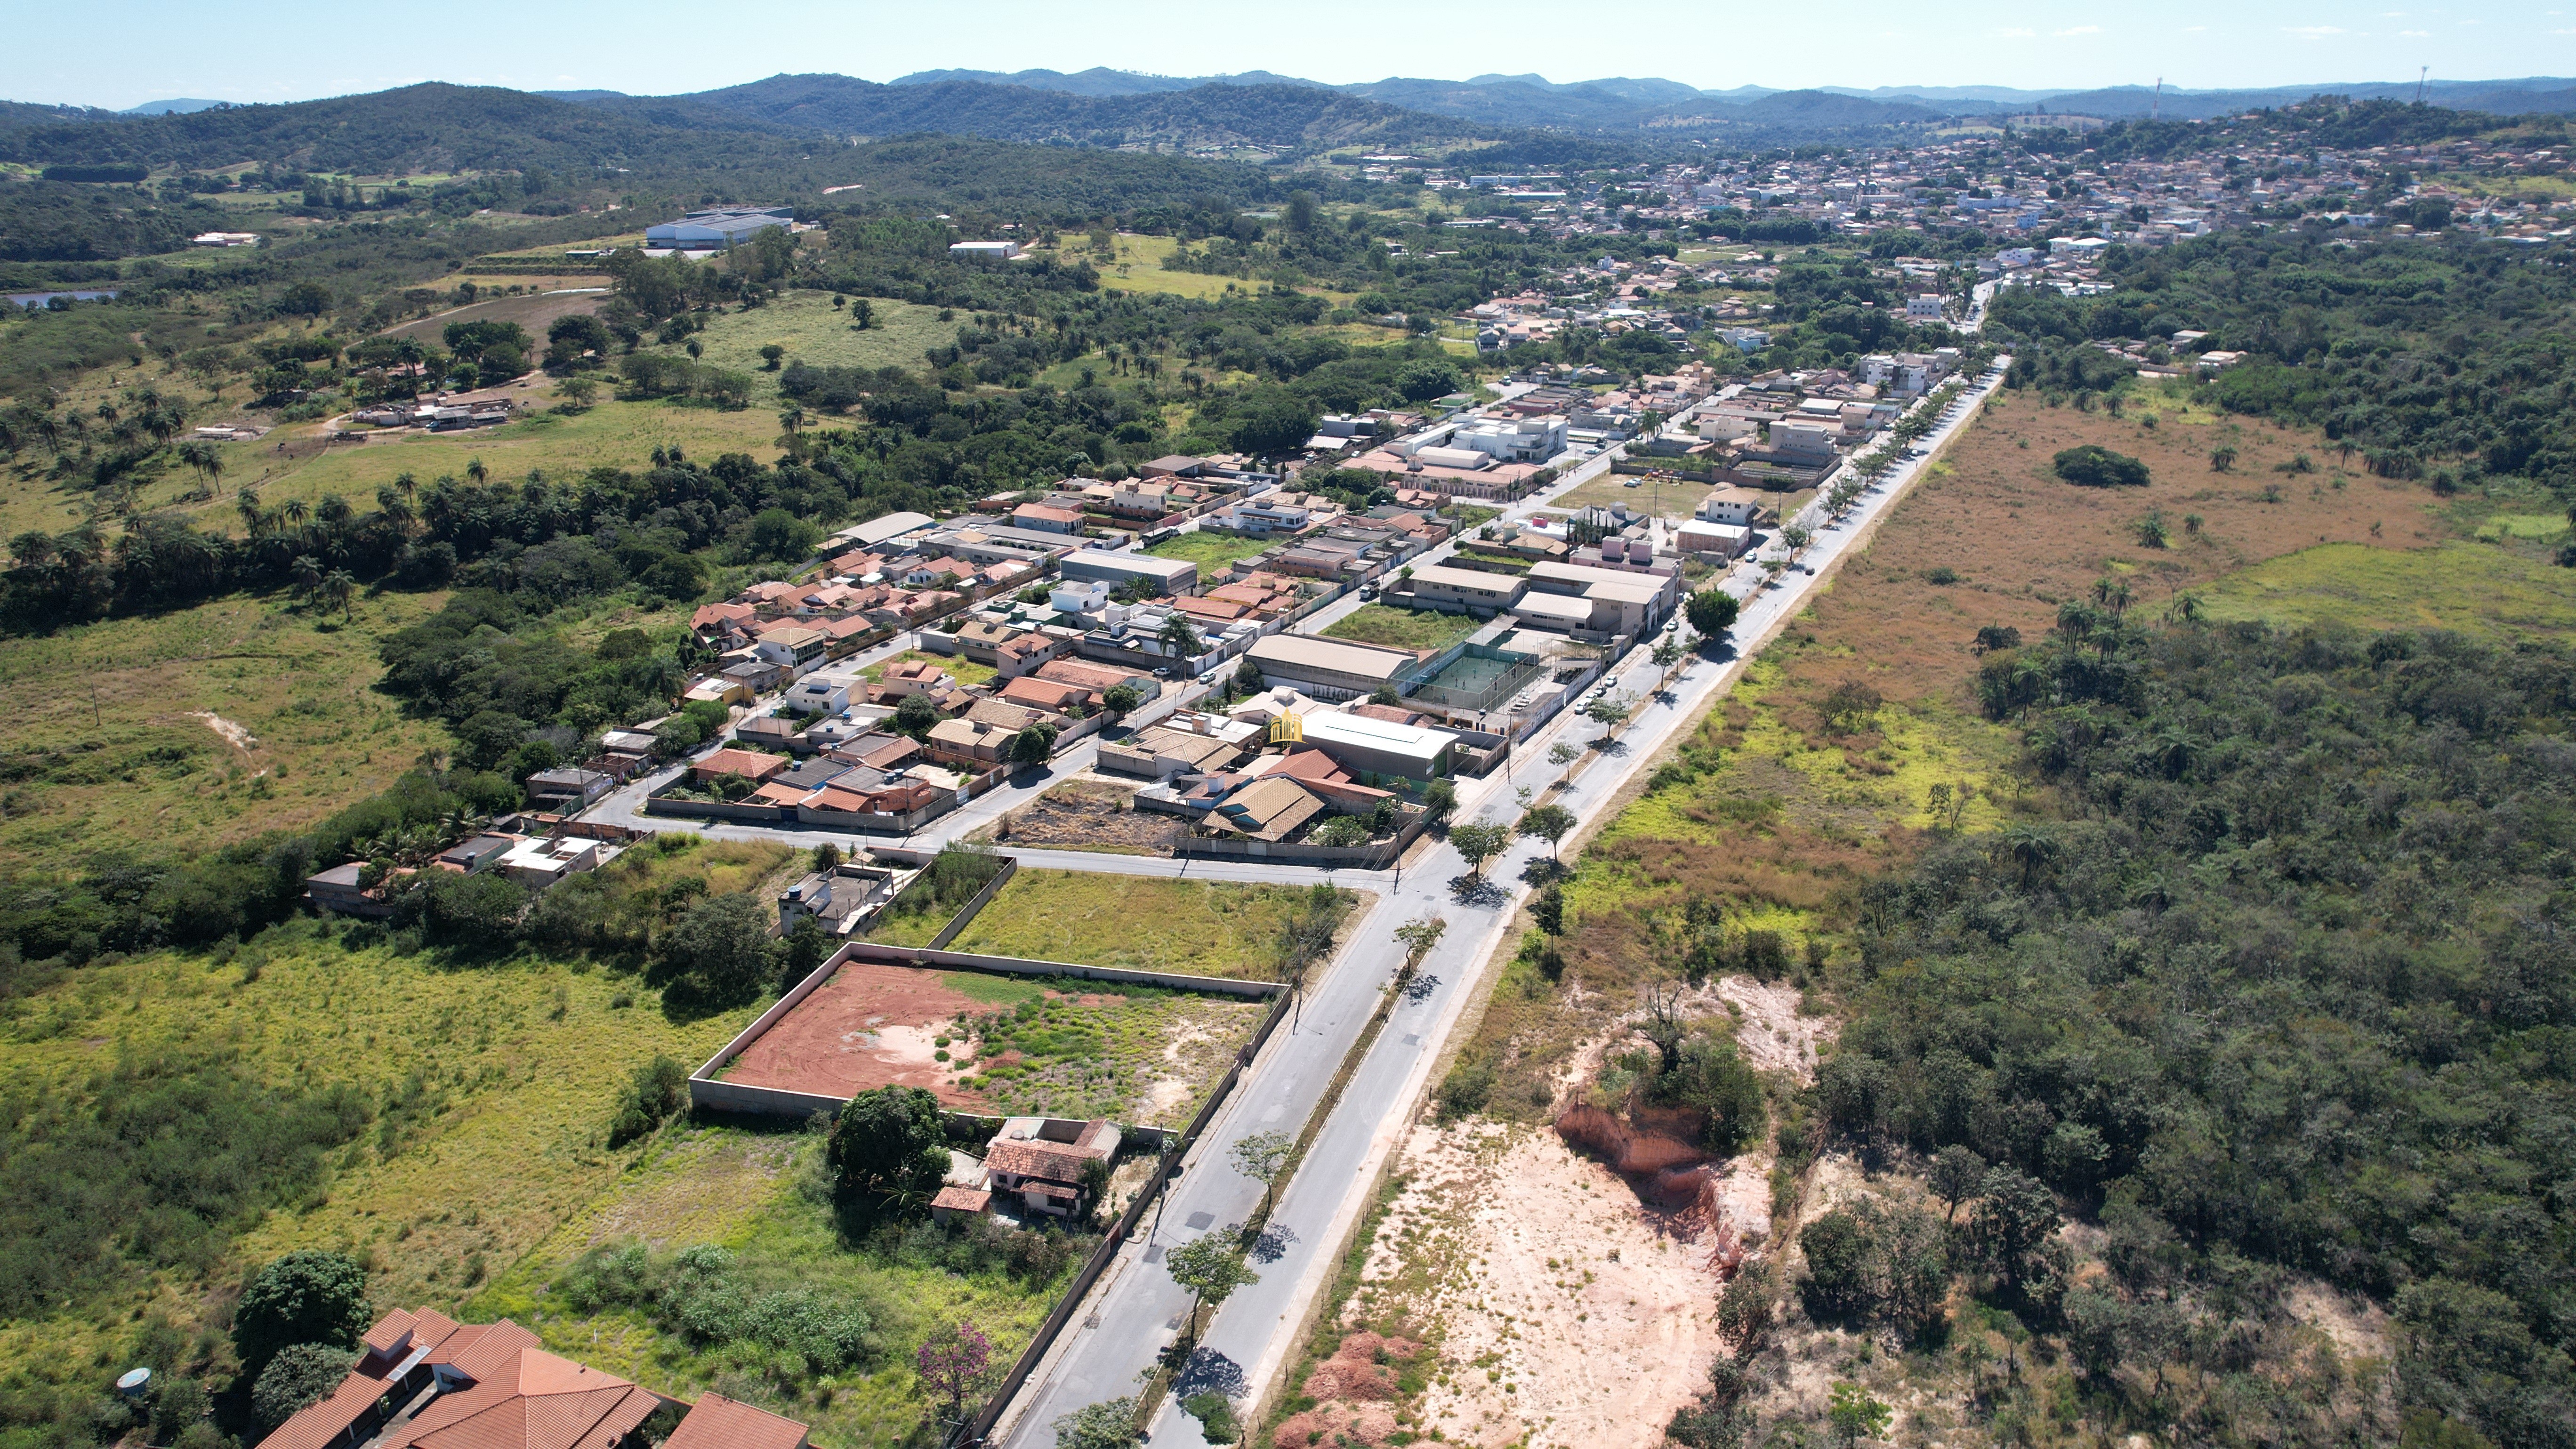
(232, 51)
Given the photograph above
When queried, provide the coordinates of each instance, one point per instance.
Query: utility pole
(2156, 106)
(2422, 73)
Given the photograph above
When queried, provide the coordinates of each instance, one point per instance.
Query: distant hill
(28, 113)
(430, 127)
(1217, 114)
(776, 121)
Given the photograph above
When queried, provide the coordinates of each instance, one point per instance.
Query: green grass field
(1212, 552)
(1402, 628)
(617, 434)
(757, 1194)
(1084, 1049)
(1139, 922)
(960, 668)
(502, 1078)
(110, 746)
(815, 332)
(2482, 589)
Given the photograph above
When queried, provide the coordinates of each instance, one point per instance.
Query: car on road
(1368, 594)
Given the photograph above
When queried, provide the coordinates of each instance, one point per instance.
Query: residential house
(840, 898)
(1043, 1162)
(820, 694)
(752, 765)
(1099, 679)
(336, 890)
(1269, 809)
(769, 732)
(914, 676)
(475, 855)
(1185, 744)
(1048, 695)
(972, 739)
(1326, 778)
(568, 789)
(424, 1381)
(538, 864)
(1045, 518)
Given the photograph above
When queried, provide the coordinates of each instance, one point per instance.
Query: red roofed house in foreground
(429, 1382)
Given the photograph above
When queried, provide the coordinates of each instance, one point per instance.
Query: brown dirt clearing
(871, 1025)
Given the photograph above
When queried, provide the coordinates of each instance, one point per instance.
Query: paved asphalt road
(1136, 1308)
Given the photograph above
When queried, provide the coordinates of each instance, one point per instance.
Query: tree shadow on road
(1476, 890)
(1273, 1243)
(1210, 1371)
(1418, 988)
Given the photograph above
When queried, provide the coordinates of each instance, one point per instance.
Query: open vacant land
(1082, 815)
(2475, 588)
(205, 726)
(1212, 552)
(960, 668)
(994, 1043)
(500, 1077)
(561, 445)
(871, 1025)
(760, 1201)
(534, 312)
(1138, 922)
(821, 335)
(1402, 628)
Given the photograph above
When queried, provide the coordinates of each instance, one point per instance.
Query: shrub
(888, 1144)
(659, 1090)
(1464, 1091)
(307, 1296)
(300, 1374)
(2093, 466)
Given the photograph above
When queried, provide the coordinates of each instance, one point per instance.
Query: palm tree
(306, 572)
(394, 507)
(296, 512)
(793, 418)
(337, 590)
(2221, 459)
(475, 470)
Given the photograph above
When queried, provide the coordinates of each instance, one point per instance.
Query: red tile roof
(516, 1396)
(527, 1398)
(721, 1423)
(1048, 1160)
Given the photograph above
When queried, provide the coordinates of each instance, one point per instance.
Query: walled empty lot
(1141, 923)
(993, 1043)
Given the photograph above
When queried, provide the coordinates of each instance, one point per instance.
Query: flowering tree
(952, 1363)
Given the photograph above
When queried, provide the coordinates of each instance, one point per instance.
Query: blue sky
(123, 52)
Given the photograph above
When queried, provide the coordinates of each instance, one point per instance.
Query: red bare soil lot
(869, 1026)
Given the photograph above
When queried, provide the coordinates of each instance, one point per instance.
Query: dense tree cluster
(2292, 983)
(2442, 359)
